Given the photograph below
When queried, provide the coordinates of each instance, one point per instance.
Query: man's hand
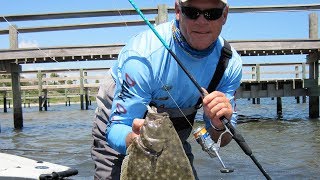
(136, 125)
(216, 105)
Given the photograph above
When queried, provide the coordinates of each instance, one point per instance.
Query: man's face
(200, 33)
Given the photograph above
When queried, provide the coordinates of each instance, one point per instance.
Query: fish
(157, 153)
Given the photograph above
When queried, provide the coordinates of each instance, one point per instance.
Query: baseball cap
(224, 1)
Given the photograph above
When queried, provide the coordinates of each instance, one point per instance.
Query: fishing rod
(235, 134)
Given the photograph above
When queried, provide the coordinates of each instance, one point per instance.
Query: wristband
(217, 129)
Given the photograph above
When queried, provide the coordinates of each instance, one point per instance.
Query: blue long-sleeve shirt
(145, 72)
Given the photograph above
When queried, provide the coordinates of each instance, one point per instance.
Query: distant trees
(7, 81)
(5, 76)
(69, 82)
(53, 75)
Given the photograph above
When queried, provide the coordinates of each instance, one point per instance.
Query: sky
(240, 26)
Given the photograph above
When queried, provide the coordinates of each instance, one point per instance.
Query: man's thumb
(136, 125)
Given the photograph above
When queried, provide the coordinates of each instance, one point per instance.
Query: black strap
(226, 54)
(181, 123)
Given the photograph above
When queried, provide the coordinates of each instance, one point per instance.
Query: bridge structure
(12, 58)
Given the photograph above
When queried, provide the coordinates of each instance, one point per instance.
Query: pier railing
(251, 72)
(84, 81)
(274, 71)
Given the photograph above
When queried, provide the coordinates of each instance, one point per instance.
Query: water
(287, 148)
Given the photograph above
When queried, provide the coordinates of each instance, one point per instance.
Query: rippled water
(287, 148)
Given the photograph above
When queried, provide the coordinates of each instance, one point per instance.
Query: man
(147, 74)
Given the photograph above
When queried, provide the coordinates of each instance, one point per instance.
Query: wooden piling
(86, 98)
(16, 96)
(24, 99)
(5, 101)
(304, 99)
(40, 103)
(15, 70)
(66, 94)
(279, 107)
(313, 66)
(162, 14)
(81, 88)
(45, 99)
(40, 75)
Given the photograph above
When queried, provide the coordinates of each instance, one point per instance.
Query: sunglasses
(209, 14)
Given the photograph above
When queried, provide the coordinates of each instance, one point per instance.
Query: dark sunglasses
(209, 14)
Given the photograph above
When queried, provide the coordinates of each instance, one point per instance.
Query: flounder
(157, 153)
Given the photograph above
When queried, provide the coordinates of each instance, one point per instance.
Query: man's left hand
(216, 105)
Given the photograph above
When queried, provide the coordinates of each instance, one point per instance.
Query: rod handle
(237, 136)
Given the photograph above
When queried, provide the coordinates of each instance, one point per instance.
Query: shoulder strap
(226, 54)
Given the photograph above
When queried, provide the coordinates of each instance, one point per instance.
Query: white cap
(224, 1)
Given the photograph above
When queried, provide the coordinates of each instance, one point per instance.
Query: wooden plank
(96, 77)
(61, 78)
(274, 64)
(275, 8)
(77, 14)
(49, 54)
(124, 12)
(276, 45)
(311, 83)
(92, 69)
(77, 26)
(245, 48)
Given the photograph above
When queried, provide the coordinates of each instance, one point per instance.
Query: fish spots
(142, 162)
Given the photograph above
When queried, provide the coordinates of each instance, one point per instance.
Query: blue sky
(279, 25)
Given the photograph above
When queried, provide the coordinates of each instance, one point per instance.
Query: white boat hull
(17, 167)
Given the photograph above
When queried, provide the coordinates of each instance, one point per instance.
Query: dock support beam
(313, 66)
(162, 14)
(279, 107)
(5, 102)
(15, 70)
(86, 91)
(81, 89)
(40, 76)
(45, 99)
(16, 96)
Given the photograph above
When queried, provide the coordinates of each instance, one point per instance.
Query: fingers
(136, 125)
(219, 106)
(210, 97)
(216, 105)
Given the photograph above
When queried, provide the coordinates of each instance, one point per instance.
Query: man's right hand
(136, 126)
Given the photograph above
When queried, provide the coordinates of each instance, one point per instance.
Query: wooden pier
(303, 84)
